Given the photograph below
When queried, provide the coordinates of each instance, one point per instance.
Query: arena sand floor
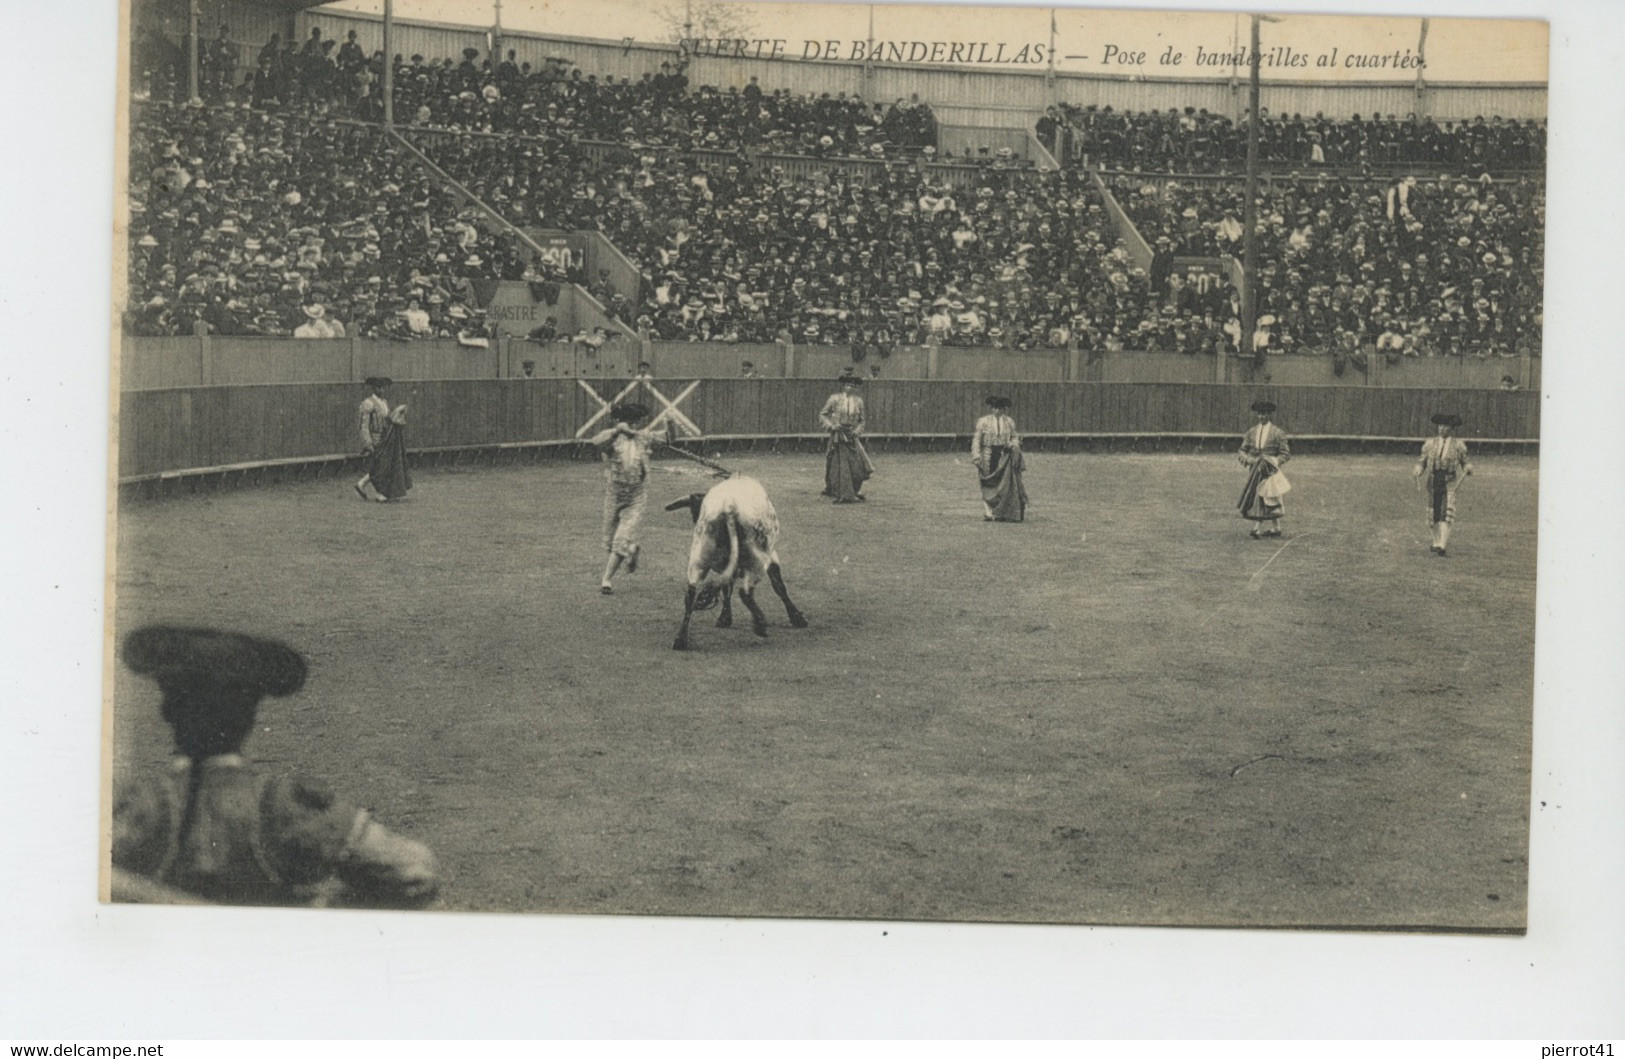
(1122, 711)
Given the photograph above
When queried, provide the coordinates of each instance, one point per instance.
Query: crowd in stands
(268, 213)
(738, 253)
(657, 110)
(244, 222)
(557, 99)
(1407, 267)
(1192, 140)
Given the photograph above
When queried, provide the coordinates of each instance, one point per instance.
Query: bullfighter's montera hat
(179, 657)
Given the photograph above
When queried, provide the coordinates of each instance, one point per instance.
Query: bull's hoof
(797, 621)
(679, 644)
(759, 630)
(725, 621)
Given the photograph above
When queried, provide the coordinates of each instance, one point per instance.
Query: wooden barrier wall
(147, 363)
(161, 363)
(176, 429)
(719, 360)
(952, 140)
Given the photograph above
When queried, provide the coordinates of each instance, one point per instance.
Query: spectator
(317, 325)
(1190, 140)
(546, 331)
(417, 319)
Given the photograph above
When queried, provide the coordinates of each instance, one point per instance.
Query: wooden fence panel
(160, 362)
(971, 365)
(235, 361)
(163, 430)
(822, 362)
(719, 360)
(164, 363)
(140, 447)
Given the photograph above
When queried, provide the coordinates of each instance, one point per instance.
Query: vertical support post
(389, 64)
(1422, 107)
(933, 367)
(1249, 290)
(868, 64)
(1049, 76)
(192, 92)
(1235, 46)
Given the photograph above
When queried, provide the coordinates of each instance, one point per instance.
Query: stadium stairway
(1139, 248)
(589, 312)
(601, 258)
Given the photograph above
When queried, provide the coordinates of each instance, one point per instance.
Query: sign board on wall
(562, 249)
(517, 310)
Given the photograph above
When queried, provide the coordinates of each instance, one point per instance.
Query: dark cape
(1251, 505)
(391, 475)
(1439, 494)
(1002, 488)
(846, 468)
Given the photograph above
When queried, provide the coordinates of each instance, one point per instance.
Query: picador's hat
(998, 402)
(630, 412)
(378, 382)
(1263, 408)
(177, 656)
(1446, 419)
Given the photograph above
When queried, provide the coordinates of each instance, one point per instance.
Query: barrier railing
(154, 363)
(185, 431)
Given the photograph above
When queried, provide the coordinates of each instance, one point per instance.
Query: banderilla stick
(687, 455)
(701, 460)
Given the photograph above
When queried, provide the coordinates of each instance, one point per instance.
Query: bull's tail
(715, 582)
(734, 531)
